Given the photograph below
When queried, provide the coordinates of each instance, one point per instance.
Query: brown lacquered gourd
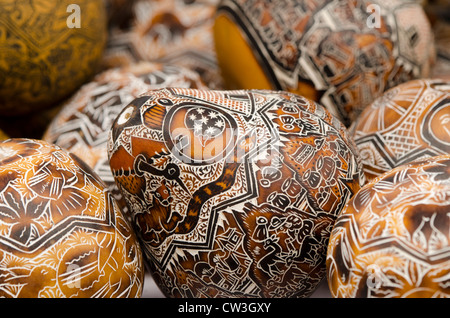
(233, 193)
(176, 32)
(409, 122)
(341, 53)
(392, 239)
(61, 233)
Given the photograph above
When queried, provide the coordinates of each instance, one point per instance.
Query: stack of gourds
(236, 148)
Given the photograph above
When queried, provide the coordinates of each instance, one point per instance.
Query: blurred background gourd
(48, 49)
